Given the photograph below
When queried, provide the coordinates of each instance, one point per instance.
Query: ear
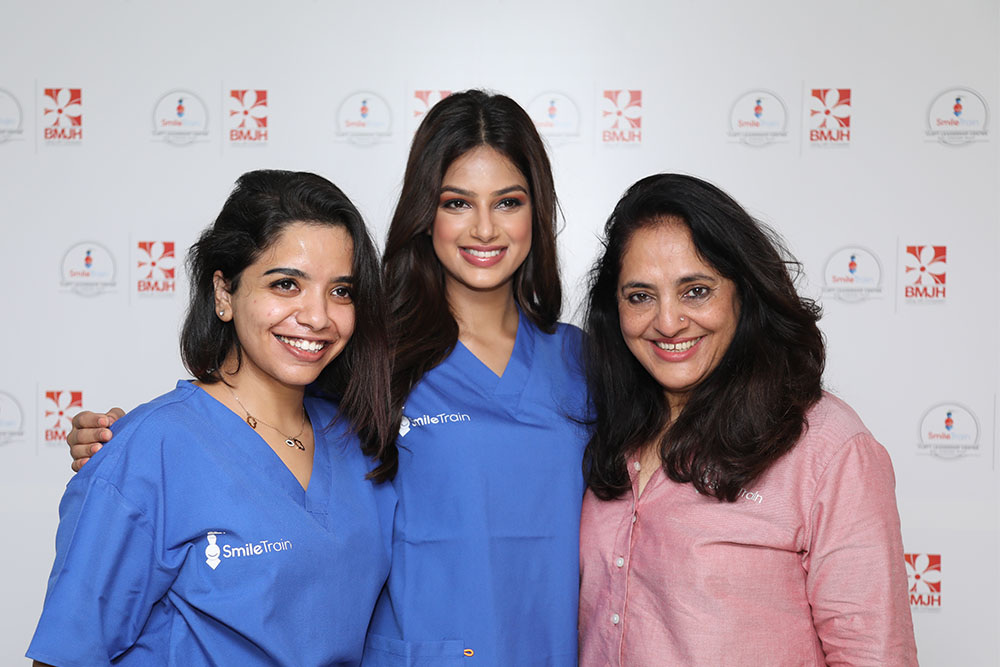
(223, 297)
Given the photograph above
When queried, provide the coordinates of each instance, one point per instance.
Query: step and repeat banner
(863, 132)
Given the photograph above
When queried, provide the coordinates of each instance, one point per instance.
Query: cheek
(632, 322)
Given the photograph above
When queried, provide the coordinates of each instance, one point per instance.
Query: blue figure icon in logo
(853, 266)
(949, 422)
(958, 107)
(758, 110)
(364, 108)
(88, 260)
(552, 109)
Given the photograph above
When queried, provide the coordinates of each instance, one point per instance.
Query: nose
(485, 229)
(313, 311)
(671, 319)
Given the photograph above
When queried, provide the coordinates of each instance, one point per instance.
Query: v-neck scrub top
(186, 541)
(485, 555)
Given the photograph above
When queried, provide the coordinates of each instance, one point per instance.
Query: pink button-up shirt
(805, 568)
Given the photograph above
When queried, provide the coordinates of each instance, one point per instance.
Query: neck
(265, 398)
(483, 313)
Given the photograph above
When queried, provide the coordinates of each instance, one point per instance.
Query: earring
(681, 318)
(222, 313)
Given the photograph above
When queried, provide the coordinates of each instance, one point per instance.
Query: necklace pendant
(252, 421)
(295, 442)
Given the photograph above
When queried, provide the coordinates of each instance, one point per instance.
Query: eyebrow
(470, 193)
(296, 273)
(683, 280)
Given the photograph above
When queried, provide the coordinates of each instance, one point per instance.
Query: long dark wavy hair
(261, 206)
(422, 328)
(751, 409)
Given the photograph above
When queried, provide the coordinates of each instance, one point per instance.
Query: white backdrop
(117, 139)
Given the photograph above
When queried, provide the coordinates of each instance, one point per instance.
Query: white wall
(891, 187)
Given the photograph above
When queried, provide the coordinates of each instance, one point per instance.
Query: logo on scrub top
(247, 116)
(621, 117)
(59, 408)
(924, 273)
(830, 117)
(442, 418)
(216, 553)
(62, 115)
(923, 574)
(155, 268)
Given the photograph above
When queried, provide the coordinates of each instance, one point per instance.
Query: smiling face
(293, 310)
(677, 314)
(482, 228)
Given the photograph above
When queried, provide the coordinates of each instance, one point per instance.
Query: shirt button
(620, 562)
(616, 619)
(637, 466)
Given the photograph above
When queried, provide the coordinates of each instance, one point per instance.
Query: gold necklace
(292, 441)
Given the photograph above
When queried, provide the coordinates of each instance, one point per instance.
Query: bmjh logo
(830, 117)
(621, 117)
(63, 115)
(247, 116)
(925, 273)
(923, 574)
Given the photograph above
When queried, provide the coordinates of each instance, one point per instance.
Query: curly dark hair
(751, 409)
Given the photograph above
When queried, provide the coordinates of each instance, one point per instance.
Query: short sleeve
(105, 580)
(856, 577)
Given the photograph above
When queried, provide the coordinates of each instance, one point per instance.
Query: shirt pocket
(381, 651)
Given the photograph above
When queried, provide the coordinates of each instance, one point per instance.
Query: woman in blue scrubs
(489, 392)
(230, 521)
(485, 561)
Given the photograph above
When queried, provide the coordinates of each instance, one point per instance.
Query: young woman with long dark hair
(736, 513)
(226, 521)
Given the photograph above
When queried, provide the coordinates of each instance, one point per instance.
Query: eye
(455, 204)
(698, 292)
(284, 285)
(638, 298)
(510, 203)
(342, 292)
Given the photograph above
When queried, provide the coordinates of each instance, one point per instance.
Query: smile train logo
(212, 551)
(442, 418)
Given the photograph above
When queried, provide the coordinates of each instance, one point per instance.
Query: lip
(304, 355)
(483, 262)
(676, 355)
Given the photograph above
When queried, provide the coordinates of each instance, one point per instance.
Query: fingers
(82, 453)
(87, 436)
(90, 427)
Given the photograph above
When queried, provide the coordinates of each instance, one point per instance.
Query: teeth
(483, 254)
(678, 347)
(307, 345)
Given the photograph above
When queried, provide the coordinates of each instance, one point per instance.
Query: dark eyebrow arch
(469, 193)
(683, 280)
(296, 273)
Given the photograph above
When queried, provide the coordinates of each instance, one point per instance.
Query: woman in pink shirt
(736, 513)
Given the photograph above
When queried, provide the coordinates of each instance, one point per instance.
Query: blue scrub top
(195, 545)
(485, 560)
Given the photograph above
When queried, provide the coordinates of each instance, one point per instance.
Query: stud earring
(222, 313)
